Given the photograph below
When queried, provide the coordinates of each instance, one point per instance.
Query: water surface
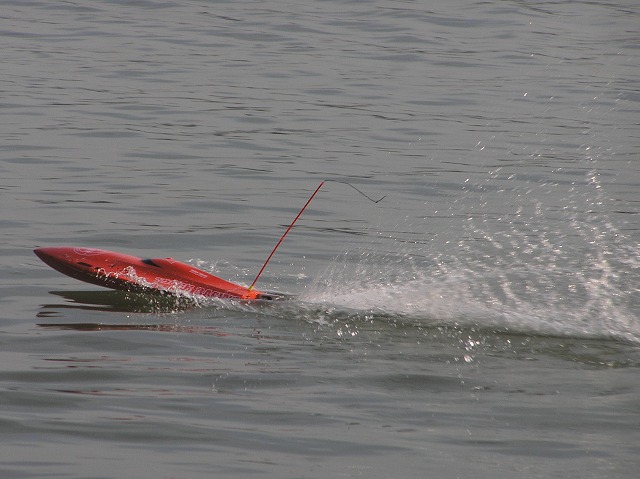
(481, 321)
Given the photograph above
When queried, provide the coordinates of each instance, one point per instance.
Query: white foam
(553, 300)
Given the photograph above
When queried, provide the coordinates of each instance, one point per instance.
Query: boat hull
(131, 273)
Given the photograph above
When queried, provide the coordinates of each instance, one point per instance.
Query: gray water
(479, 322)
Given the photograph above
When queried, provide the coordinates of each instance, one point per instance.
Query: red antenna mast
(285, 234)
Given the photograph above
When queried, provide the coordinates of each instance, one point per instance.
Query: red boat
(130, 273)
(157, 275)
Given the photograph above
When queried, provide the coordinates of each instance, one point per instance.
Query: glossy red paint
(130, 273)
